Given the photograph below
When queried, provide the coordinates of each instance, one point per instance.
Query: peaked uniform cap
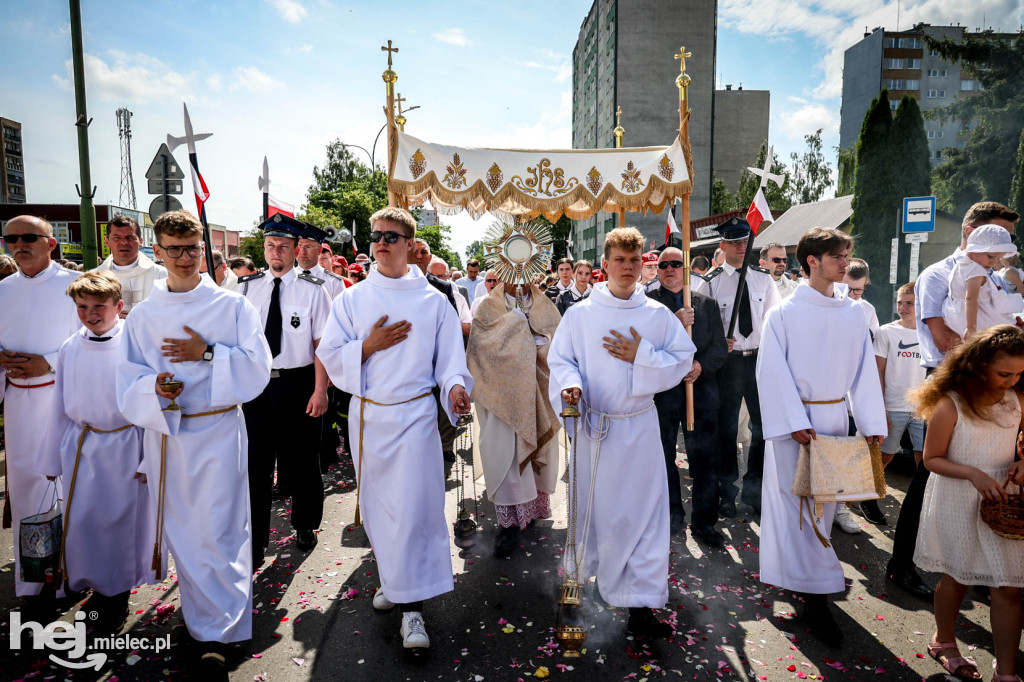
(733, 229)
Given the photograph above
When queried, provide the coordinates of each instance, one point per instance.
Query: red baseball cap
(650, 257)
(340, 260)
(355, 267)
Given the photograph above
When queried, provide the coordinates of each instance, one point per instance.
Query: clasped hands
(23, 365)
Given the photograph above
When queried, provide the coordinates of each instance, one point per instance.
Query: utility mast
(124, 134)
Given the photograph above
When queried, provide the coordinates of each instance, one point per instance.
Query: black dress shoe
(506, 542)
(873, 513)
(908, 580)
(709, 535)
(642, 623)
(819, 620)
(305, 540)
(727, 510)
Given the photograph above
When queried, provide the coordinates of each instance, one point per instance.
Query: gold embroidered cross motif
(631, 180)
(417, 164)
(456, 176)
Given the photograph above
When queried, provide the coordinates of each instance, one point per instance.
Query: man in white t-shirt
(898, 354)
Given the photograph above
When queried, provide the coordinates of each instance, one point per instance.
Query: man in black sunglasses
(702, 442)
(774, 260)
(36, 317)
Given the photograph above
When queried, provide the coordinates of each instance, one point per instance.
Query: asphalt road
(313, 618)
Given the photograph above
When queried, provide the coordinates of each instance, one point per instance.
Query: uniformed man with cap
(736, 382)
(308, 257)
(283, 423)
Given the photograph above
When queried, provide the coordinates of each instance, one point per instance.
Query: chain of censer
(573, 496)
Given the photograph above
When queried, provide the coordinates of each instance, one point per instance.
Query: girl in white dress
(977, 298)
(973, 413)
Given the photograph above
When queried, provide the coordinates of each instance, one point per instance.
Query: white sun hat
(990, 239)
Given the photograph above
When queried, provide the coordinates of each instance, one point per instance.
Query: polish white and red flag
(759, 212)
(275, 205)
(198, 185)
(670, 225)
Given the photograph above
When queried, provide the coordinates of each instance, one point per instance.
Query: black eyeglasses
(27, 238)
(666, 264)
(778, 260)
(389, 237)
(176, 252)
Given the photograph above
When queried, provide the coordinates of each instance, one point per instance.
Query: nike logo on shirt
(905, 346)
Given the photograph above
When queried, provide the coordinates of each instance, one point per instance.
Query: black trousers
(701, 454)
(444, 426)
(737, 382)
(279, 429)
(905, 538)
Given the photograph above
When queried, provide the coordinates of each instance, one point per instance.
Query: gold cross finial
(683, 54)
(618, 116)
(389, 50)
(399, 99)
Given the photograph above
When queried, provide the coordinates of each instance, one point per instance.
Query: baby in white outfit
(977, 299)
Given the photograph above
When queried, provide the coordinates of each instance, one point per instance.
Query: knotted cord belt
(823, 402)
(359, 472)
(598, 434)
(161, 494)
(62, 563)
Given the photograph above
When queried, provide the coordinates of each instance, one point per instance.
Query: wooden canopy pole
(683, 83)
(619, 132)
(390, 78)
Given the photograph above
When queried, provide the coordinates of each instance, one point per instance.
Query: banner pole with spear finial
(683, 83)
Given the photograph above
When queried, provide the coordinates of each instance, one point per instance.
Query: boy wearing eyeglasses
(774, 260)
(195, 458)
(389, 342)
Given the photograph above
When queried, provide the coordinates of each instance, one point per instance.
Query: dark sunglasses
(491, 281)
(389, 237)
(778, 260)
(666, 264)
(27, 238)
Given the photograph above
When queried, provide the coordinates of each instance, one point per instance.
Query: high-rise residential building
(12, 164)
(624, 58)
(901, 62)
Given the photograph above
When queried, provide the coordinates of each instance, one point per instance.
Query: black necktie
(305, 272)
(274, 321)
(746, 324)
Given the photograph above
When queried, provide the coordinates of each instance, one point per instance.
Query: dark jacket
(444, 287)
(712, 351)
(565, 300)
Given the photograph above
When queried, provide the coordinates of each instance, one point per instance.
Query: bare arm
(881, 362)
(971, 309)
(945, 338)
(1013, 278)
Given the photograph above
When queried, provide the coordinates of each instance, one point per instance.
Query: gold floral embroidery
(665, 168)
(494, 177)
(417, 164)
(595, 180)
(545, 180)
(456, 176)
(631, 180)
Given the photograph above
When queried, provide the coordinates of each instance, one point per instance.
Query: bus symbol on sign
(919, 214)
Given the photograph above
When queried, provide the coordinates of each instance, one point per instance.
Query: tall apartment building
(12, 164)
(624, 58)
(901, 62)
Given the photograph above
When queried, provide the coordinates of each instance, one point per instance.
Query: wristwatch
(208, 353)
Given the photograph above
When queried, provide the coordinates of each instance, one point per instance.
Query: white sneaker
(381, 602)
(414, 631)
(844, 519)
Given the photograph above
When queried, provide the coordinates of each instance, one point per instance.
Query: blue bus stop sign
(919, 214)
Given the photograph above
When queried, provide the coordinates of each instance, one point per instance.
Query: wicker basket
(1006, 519)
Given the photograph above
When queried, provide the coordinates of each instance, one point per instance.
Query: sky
(283, 78)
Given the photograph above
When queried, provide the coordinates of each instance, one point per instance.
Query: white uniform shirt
(471, 285)
(333, 284)
(720, 284)
(304, 311)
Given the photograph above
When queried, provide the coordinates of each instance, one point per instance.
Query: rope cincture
(62, 562)
(162, 489)
(358, 521)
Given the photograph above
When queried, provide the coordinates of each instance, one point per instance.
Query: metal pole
(86, 211)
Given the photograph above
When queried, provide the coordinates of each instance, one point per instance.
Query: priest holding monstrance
(507, 356)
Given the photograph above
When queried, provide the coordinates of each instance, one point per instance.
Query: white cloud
(253, 80)
(214, 83)
(557, 63)
(809, 118)
(129, 78)
(453, 36)
(306, 49)
(291, 11)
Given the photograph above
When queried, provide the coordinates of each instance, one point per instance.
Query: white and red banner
(670, 225)
(759, 212)
(275, 205)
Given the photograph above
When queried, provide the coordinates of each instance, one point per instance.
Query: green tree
(847, 163)
(812, 174)
(437, 236)
(559, 235)
(722, 199)
(1017, 186)
(777, 197)
(913, 172)
(345, 192)
(992, 120)
(251, 244)
(475, 250)
(874, 198)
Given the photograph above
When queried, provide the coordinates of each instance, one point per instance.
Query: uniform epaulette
(249, 278)
(711, 274)
(311, 278)
(760, 269)
(334, 275)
